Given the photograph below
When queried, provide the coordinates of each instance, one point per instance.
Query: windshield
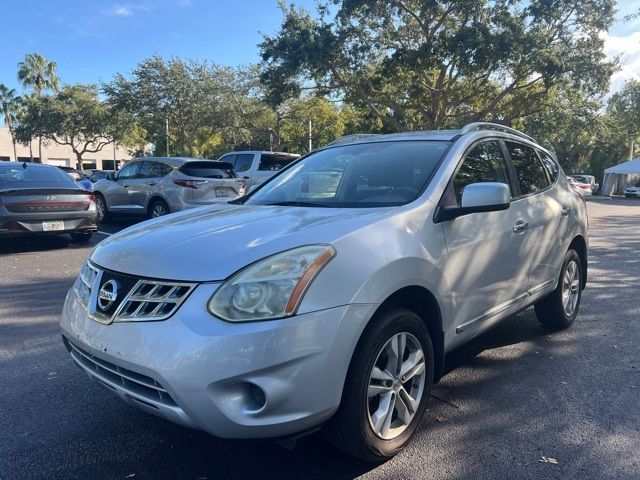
(17, 173)
(362, 175)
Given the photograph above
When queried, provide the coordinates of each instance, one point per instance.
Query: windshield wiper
(297, 204)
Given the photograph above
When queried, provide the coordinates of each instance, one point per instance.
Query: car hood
(211, 243)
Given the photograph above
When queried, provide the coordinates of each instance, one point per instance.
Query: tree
(624, 112)
(203, 103)
(416, 64)
(75, 117)
(10, 105)
(39, 74)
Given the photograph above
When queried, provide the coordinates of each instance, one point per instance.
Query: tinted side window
(273, 163)
(153, 170)
(484, 163)
(130, 170)
(550, 165)
(243, 162)
(529, 170)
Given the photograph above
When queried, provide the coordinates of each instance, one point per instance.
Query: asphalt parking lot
(511, 397)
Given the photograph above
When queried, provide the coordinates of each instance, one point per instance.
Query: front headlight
(270, 288)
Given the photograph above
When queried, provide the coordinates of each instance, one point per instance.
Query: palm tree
(9, 107)
(39, 74)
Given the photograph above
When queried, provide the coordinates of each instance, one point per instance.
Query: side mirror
(479, 197)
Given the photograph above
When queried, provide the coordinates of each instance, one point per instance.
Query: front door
(117, 193)
(487, 264)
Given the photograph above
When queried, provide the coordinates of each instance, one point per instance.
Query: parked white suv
(257, 167)
(330, 295)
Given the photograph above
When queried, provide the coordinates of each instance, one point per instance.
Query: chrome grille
(84, 283)
(110, 374)
(140, 299)
(151, 300)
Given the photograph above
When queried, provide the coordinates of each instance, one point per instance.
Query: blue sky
(93, 40)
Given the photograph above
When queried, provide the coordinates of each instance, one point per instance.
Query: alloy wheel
(396, 383)
(570, 288)
(158, 210)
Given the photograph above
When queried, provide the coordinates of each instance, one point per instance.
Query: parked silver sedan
(155, 186)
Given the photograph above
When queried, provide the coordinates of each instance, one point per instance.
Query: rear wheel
(101, 208)
(386, 389)
(559, 309)
(158, 208)
(81, 237)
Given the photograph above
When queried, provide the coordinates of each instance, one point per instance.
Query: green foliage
(38, 73)
(416, 64)
(76, 117)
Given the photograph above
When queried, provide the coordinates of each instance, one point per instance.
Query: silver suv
(331, 294)
(156, 186)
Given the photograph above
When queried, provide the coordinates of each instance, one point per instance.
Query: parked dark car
(100, 174)
(42, 199)
(78, 176)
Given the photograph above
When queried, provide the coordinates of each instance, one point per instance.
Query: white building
(109, 158)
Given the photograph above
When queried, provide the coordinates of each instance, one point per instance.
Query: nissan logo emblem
(108, 294)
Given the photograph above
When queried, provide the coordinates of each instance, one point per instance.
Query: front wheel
(386, 389)
(559, 309)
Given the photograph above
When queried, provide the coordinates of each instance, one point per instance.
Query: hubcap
(570, 288)
(395, 387)
(158, 210)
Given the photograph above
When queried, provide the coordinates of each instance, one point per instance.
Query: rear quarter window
(273, 163)
(550, 165)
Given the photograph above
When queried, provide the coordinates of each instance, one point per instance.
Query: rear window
(273, 163)
(208, 170)
(24, 174)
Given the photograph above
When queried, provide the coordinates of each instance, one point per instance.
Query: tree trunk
(78, 160)
(15, 154)
(39, 149)
(30, 151)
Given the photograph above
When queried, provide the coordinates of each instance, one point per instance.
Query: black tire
(351, 429)
(101, 208)
(551, 310)
(158, 205)
(81, 237)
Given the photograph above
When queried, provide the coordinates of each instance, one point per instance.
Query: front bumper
(201, 372)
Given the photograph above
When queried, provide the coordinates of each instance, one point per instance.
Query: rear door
(544, 211)
(268, 165)
(487, 265)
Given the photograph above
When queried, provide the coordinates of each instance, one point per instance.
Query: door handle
(245, 177)
(152, 184)
(125, 186)
(565, 211)
(520, 226)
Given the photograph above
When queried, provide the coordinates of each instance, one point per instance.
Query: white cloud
(628, 49)
(122, 11)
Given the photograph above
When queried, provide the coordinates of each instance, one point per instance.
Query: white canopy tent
(617, 178)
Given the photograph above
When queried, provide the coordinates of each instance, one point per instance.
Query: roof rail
(476, 126)
(348, 138)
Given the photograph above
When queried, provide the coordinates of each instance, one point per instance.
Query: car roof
(173, 161)
(28, 164)
(266, 152)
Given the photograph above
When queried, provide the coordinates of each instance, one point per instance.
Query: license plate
(222, 192)
(52, 226)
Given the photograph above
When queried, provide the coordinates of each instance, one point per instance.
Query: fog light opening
(258, 397)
